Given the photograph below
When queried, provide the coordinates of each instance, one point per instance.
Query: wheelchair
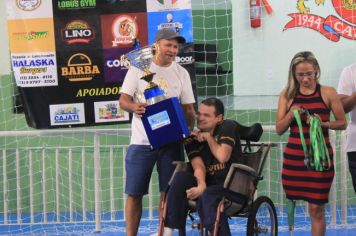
(240, 185)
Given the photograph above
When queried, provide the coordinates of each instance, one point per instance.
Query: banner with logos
(66, 54)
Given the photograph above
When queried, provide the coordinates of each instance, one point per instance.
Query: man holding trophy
(158, 64)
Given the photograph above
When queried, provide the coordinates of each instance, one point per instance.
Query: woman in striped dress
(303, 91)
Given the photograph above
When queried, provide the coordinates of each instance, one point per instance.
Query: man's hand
(139, 109)
(126, 102)
(202, 136)
(195, 192)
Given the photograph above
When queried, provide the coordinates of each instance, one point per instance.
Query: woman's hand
(323, 124)
(290, 113)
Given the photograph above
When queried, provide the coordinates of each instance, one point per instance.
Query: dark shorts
(139, 163)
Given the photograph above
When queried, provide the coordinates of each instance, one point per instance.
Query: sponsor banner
(31, 35)
(110, 91)
(78, 32)
(185, 59)
(115, 67)
(186, 55)
(121, 6)
(168, 5)
(67, 114)
(66, 7)
(79, 67)
(181, 21)
(66, 54)
(26, 9)
(109, 111)
(120, 30)
(35, 69)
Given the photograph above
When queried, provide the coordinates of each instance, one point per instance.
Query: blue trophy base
(165, 123)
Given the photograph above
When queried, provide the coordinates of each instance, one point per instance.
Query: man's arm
(189, 114)
(129, 105)
(348, 102)
(332, 100)
(221, 152)
(345, 89)
(199, 173)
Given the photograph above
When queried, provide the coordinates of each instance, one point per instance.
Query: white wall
(262, 56)
(4, 43)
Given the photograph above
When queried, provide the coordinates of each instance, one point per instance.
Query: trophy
(164, 120)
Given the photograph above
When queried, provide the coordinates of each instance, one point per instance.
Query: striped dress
(299, 183)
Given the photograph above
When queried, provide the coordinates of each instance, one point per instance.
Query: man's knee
(134, 200)
(183, 180)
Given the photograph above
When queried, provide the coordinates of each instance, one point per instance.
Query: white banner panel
(24, 9)
(168, 5)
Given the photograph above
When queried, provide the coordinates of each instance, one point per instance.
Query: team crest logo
(124, 30)
(332, 27)
(28, 5)
(346, 9)
(109, 111)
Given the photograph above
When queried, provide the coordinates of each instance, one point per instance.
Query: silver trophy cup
(141, 58)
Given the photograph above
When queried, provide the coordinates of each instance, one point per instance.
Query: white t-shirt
(347, 85)
(174, 79)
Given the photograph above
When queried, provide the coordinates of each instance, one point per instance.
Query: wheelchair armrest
(180, 166)
(234, 168)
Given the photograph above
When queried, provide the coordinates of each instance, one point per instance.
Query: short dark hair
(216, 103)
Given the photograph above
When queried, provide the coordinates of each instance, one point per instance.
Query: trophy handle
(124, 58)
(154, 49)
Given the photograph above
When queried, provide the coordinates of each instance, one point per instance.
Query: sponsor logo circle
(28, 5)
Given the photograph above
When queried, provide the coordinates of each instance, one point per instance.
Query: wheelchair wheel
(263, 218)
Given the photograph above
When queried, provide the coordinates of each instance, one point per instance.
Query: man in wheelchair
(211, 151)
